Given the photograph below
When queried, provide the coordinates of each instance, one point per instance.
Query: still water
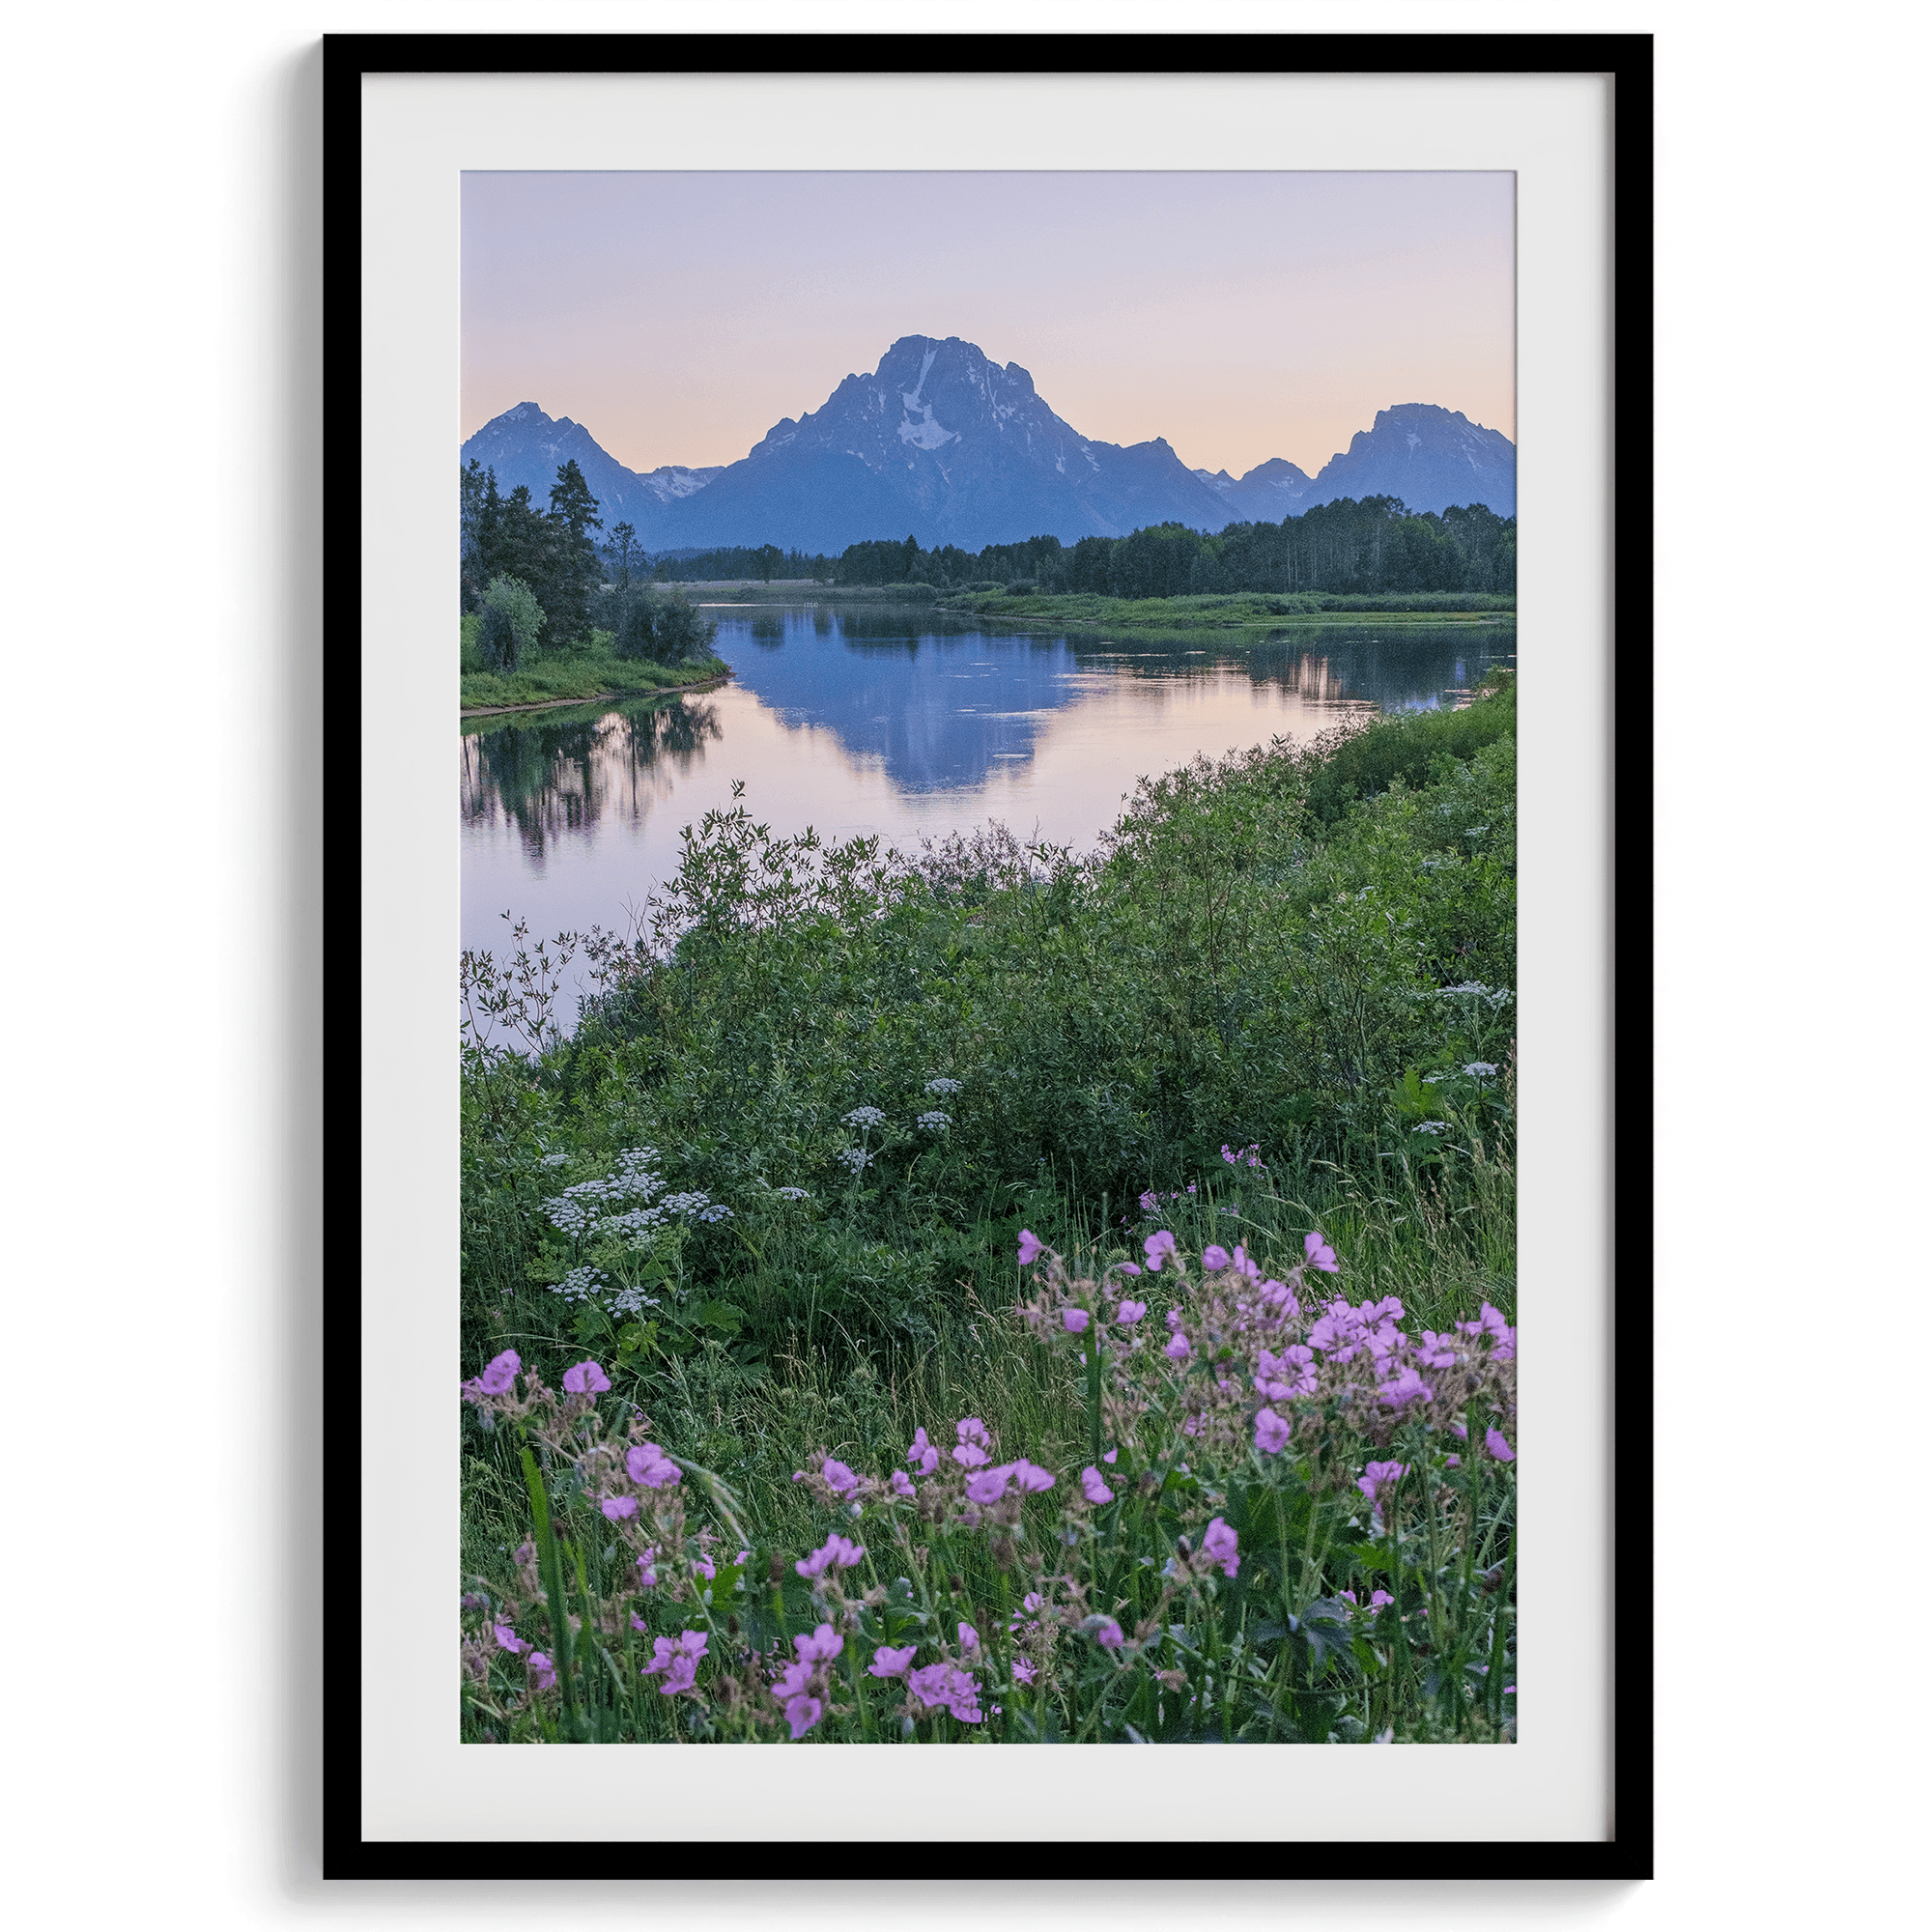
(903, 724)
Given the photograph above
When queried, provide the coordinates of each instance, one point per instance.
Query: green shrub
(512, 620)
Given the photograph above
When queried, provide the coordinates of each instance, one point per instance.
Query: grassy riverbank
(1240, 610)
(576, 673)
(805, 1139)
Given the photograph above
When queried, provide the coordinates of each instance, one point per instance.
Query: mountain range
(944, 444)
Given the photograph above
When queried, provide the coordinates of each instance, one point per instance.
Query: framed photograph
(1029, 1034)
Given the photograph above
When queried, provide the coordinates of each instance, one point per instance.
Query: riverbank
(591, 678)
(1245, 614)
(1236, 611)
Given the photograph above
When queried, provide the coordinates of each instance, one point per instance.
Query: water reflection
(940, 705)
(550, 774)
(904, 725)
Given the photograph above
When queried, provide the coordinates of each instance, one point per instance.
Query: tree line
(1372, 545)
(729, 562)
(1375, 544)
(538, 580)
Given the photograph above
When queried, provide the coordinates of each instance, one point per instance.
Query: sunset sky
(1241, 316)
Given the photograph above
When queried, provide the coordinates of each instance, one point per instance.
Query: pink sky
(1241, 316)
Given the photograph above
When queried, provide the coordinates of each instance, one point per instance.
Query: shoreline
(597, 698)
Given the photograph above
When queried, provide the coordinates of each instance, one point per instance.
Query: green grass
(581, 674)
(578, 671)
(1240, 610)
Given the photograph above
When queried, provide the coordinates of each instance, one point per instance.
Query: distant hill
(942, 443)
(1266, 494)
(1429, 457)
(524, 445)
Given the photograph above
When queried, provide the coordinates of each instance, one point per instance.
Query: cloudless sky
(1241, 316)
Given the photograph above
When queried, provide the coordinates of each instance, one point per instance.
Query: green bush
(1232, 967)
(512, 620)
(1408, 749)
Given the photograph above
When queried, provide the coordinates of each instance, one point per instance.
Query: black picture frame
(1626, 1852)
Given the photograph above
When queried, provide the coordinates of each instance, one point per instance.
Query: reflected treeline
(554, 774)
(1403, 670)
(1406, 671)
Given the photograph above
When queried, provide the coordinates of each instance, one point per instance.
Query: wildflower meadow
(991, 1295)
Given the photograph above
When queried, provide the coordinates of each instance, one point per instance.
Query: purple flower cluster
(1025, 1478)
(803, 1686)
(945, 1687)
(837, 1553)
(677, 1657)
(497, 1379)
(1241, 1376)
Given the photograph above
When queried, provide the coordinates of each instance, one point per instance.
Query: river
(902, 723)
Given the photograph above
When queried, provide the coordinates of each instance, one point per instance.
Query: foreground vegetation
(1018, 1601)
(772, 1190)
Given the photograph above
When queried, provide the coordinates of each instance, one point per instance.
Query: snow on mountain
(942, 443)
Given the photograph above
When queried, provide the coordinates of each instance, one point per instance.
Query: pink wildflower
(1157, 1248)
(819, 1646)
(586, 1379)
(1320, 1254)
(1093, 1487)
(1213, 1257)
(838, 1553)
(1371, 1479)
(649, 1466)
(1271, 1433)
(543, 1672)
(1030, 1247)
(1499, 1446)
(497, 1379)
(1075, 1320)
(1219, 1546)
(890, 1663)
